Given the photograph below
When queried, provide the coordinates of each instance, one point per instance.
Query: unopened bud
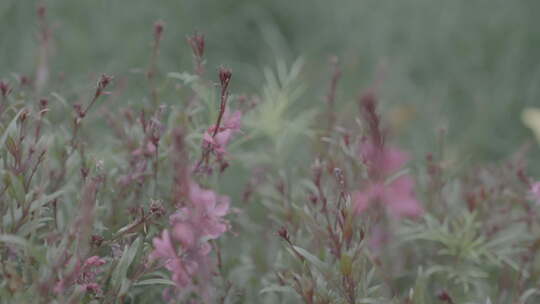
(224, 76)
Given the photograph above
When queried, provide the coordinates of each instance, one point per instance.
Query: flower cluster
(185, 248)
(84, 274)
(383, 162)
(217, 138)
(396, 194)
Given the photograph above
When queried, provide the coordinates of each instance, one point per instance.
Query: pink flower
(382, 161)
(400, 197)
(94, 261)
(163, 248)
(84, 274)
(145, 150)
(211, 209)
(229, 126)
(535, 192)
(397, 196)
(182, 271)
(184, 233)
(232, 121)
(192, 227)
(92, 287)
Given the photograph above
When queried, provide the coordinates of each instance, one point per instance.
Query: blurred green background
(468, 66)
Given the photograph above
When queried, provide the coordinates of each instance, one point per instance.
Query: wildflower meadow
(356, 152)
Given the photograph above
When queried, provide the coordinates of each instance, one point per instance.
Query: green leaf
(155, 282)
(419, 292)
(276, 288)
(126, 284)
(60, 98)
(311, 258)
(11, 128)
(120, 272)
(13, 239)
(12, 216)
(185, 77)
(10, 144)
(345, 265)
(44, 200)
(33, 225)
(527, 294)
(16, 188)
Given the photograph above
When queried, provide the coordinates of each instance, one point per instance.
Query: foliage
(171, 186)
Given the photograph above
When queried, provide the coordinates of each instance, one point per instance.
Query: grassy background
(468, 66)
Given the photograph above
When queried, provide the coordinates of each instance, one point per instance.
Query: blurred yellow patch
(399, 116)
(531, 119)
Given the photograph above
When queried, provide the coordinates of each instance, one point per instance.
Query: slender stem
(224, 97)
